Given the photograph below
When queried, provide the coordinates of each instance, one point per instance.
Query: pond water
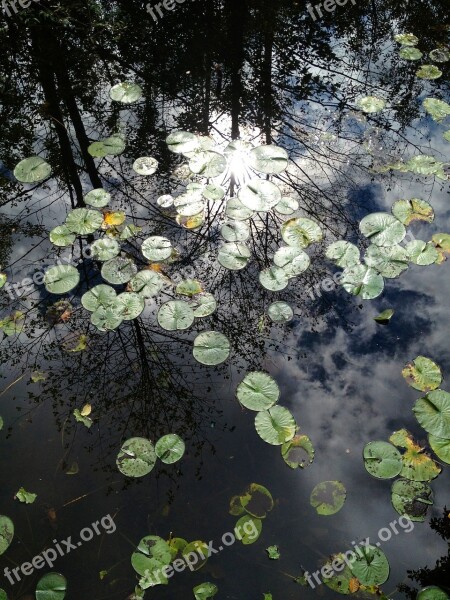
(340, 94)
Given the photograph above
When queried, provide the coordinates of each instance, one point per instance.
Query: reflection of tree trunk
(236, 50)
(266, 78)
(47, 80)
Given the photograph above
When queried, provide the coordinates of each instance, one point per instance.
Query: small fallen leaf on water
(74, 469)
(87, 421)
(86, 410)
(267, 596)
(25, 497)
(353, 585)
(103, 574)
(37, 376)
(273, 552)
(385, 316)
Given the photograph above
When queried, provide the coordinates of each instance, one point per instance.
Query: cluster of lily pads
(386, 257)
(251, 506)
(411, 495)
(409, 51)
(137, 456)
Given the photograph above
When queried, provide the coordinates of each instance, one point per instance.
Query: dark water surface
(265, 72)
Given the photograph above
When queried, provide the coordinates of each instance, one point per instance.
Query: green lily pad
(298, 452)
(280, 312)
(151, 556)
(382, 229)
(204, 591)
(286, 206)
(182, 142)
(105, 249)
(258, 391)
(242, 526)
(416, 465)
(100, 296)
(363, 281)
(389, 262)
(3, 279)
(147, 283)
(275, 425)
(110, 146)
(85, 420)
(170, 448)
(208, 164)
(441, 447)
(385, 316)
(422, 253)
(189, 204)
(129, 305)
(211, 348)
(433, 413)
(136, 458)
(410, 53)
(422, 374)
(257, 501)
(343, 254)
(6, 533)
(328, 497)
(52, 586)
(432, 592)
(61, 279)
(145, 165)
(156, 248)
(273, 279)
(235, 231)
(175, 315)
(341, 581)
(411, 498)
(259, 195)
(428, 72)
(372, 568)
(126, 92)
(62, 237)
(97, 198)
(424, 164)
(32, 170)
(203, 305)
(268, 159)
(371, 104)
(406, 39)
(382, 460)
(301, 232)
(437, 109)
(233, 256)
(26, 497)
(439, 55)
(407, 211)
(84, 221)
(292, 260)
(106, 318)
(213, 192)
(118, 270)
(189, 287)
(237, 211)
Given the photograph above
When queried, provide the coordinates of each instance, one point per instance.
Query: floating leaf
(129, 305)
(97, 198)
(259, 195)
(105, 249)
(273, 552)
(119, 270)
(110, 146)
(370, 566)
(428, 72)
(410, 53)
(136, 457)
(189, 287)
(126, 92)
(236, 508)
(237, 211)
(61, 279)
(371, 104)
(411, 498)
(203, 305)
(190, 204)
(213, 192)
(235, 231)
(258, 391)
(151, 556)
(211, 348)
(13, 324)
(241, 529)
(301, 232)
(426, 165)
(26, 497)
(113, 219)
(32, 170)
(328, 497)
(3, 279)
(182, 142)
(52, 586)
(204, 591)
(440, 55)
(362, 281)
(382, 460)
(100, 296)
(422, 253)
(343, 254)
(201, 549)
(438, 109)
(292, 260)
(170, 448)
(147, 283)
(442, 244)
(6, 533)
(342, 581)
(61, 236)
(257, 501)
(286, 206)
(268, 159)
(106, 318)
(385, 316)
(84, 221)
(389, 262)
(407, 211)
(382, 229)
(175, 315)
(431, 592)
(298, 452)
(156, 248)
(233, 256)
(276, 425)
(273, 279)
(145, 165)
(79, 418)
(406, 39)
(280, 312)
(441, 447)
(433, 413)
(416, 466)
(208, 164)
(422, 374)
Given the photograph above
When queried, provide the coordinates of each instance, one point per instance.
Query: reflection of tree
(438, 575)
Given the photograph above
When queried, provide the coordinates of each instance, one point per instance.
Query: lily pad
(129, 305)
(203, 305)
(175, 315)
(110, 146)
(233, 256)
(151, 556)
(273, 552)
(438, 109)
(298, 452)
(273, 279)
(286, 206)
(276, 425)
(213, 192)
(26, 497)
(416, 465)
(182, 142)
(372, 568)
(328, 497)
(204, 591)
(52, 586)
(428, 72)
(411, 498)
(126, 92)
(343, 254)
(97, 198)
(136, 458)
(441, 447)
(147, 283)
(422, 374)
(105, 249)
(6, 533)
(211, 348)
(100, 295)
(189, 287)
(268, 159)
(145, 165)
(385, 316)
(422, 253)
(292, 260)
(259, 195)
(410, 53)
(407, 211)
(156, 248)
(235, 231)
(118, 270)
(440, 55)
(371, 104)
(382, 460)
(61, 279)
(32, 170)
(433, 413)
(208, 164)
(432, 592)
(170, 448)
(389, 262)
(242, 526)
(362, 281)
(406, 39)
(237, 211)
(257, 501)
(301, 232)
(280, 312)
(258, 391)
(382, 229)
(84, 221)
(62, 237)
(106, 318)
